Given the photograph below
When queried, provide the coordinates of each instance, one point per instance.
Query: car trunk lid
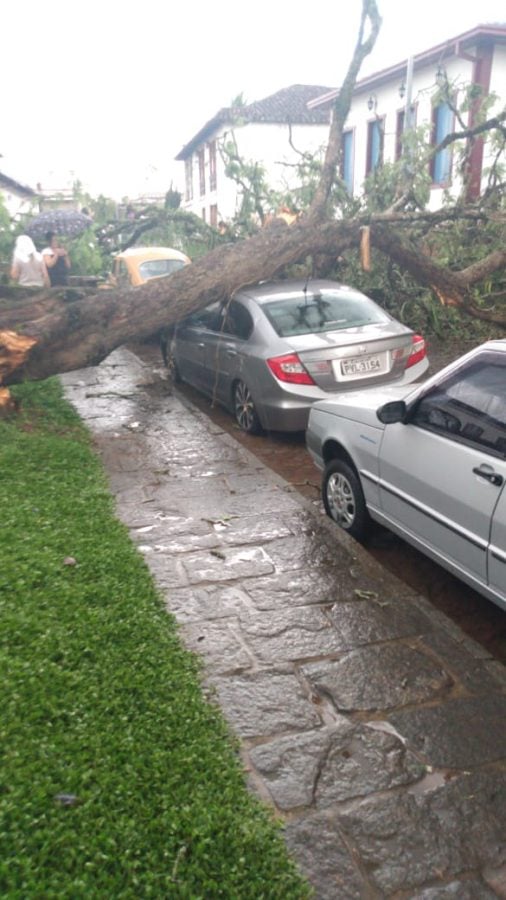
(355, 357)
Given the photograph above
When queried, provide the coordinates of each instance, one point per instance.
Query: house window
(212, 166)
(374, 145)
(213, 215)
(188, 174)
(202, 171)
(347, 160)
(442, 125)
(399, 132)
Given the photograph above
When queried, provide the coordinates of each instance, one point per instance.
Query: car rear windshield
(311, 313)
(154, 268)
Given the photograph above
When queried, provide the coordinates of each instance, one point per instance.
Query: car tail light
(289, 368)
(418, 350)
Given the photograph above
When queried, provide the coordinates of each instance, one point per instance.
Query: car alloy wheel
(244, 409)
(343, 498)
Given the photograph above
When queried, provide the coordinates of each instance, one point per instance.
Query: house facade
(386, 103)
(17, 198)
(272, 132)
(275, 130)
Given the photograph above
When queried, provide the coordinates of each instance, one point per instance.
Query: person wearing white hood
(28, 267)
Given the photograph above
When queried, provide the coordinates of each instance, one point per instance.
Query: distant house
(18, 198)
(56, 198)
(385, 102)
(270, 131)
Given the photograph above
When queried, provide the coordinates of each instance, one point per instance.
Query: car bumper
(286, 407)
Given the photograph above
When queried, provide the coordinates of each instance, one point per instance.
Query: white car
(428, 463)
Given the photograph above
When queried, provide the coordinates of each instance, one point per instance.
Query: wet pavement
(287, 455)
(370, 723)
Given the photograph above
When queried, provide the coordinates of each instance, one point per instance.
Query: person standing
(56, 259)
(28, 267)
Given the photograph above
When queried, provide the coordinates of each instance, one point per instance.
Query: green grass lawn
(101, 704)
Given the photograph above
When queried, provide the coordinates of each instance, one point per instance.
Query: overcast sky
(109, 92)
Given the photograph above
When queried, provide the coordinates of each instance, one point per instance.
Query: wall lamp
(372, 102)
(402, 90)
(441, 76)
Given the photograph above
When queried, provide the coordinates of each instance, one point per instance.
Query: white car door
(497, 550)
(442, 472)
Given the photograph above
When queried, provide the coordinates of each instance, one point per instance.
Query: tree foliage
(7, 229)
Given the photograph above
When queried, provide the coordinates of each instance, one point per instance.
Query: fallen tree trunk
(69, 329)
(65, 329)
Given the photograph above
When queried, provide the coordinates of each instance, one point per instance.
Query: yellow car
(138, 264)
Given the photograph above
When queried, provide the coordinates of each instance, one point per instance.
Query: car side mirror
(392, 412)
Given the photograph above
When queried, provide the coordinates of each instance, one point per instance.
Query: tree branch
(494, 122)
(484, 267)
(342, 105)
(451, 288)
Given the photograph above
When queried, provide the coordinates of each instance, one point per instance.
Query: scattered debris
(365, 595)
(218, 553)
(372, 596)
(67, 799)
(387, 728)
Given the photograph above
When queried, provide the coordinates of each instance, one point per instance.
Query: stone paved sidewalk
(375, 729)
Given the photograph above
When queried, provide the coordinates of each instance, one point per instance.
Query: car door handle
(231, 352)
(489, 474)
(201, 345)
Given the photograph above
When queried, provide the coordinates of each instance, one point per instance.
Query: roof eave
(13, 185)
(221, 118)
(434, 54)
(256, 113)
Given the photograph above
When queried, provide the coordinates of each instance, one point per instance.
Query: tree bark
(70, 329)
(64, 329)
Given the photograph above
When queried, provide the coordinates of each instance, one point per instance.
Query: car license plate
(365, 365)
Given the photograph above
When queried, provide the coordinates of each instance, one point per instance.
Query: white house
(270, 131)
(17, 198)
(383, 103)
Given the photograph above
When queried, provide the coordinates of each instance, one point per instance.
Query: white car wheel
(343, 498)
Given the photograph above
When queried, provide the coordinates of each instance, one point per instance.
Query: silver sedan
(273, 350)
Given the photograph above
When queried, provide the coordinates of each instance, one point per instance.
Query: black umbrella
(64, 222)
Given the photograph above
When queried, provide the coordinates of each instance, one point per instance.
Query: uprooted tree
(58, 330)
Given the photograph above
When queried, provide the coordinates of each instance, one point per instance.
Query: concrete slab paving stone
(373, 727)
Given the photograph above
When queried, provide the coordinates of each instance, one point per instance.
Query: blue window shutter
(376, 144)
(443, 123)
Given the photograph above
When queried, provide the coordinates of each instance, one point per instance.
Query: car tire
(164, 339)
(245, 412)
(343, 499)
(175, 374)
